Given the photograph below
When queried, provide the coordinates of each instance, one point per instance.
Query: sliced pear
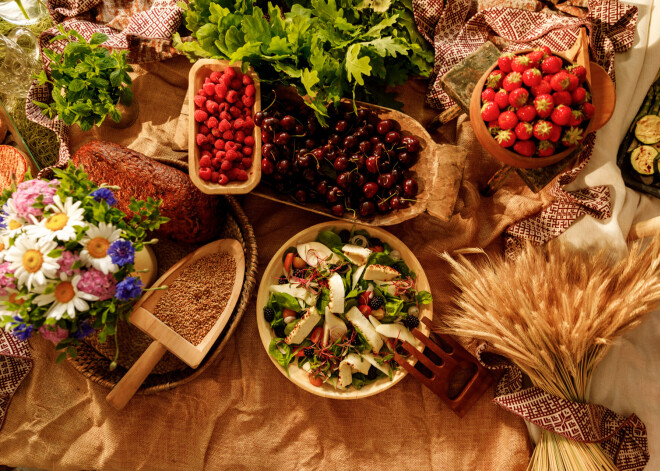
(358, 365)
(357, 274)
(333, 328)
(396, 331)
(362, 325)
(304, 326)
(296, 291)
(336, 286)
(315, 252)
(345, 375)
(368, 357)
(380, 273)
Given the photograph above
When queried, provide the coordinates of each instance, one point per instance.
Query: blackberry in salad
(342, 315)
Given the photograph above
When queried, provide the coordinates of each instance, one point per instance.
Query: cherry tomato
(365, 297)
(365, 310)
(300, 352)
(316, 335)
(315, 381)
(289, 312)
(288, 261)
(377, 248)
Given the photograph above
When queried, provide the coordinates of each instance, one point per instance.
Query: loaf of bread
(194, 216)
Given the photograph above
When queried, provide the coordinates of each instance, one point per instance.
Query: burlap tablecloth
(242, 413)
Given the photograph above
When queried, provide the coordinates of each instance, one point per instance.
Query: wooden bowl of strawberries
(533, 108)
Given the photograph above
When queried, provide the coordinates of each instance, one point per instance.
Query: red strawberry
(555, 134)
(507, 120)
(543, 130)
(505, 138)
(532, 77)
(579, 96)
(523, 131)
(560, 81)
(579, 71)
(551, 65)
(542, 88)
(543, 104)
(562, 98)
(512, 81)
(526, 148)
(548, 77)
(199, 100)
(521, 63)
(572, 136)
(526, 113)
(493, 128)
(547, 51)
(518, 97)
(588, 110)
(504, 62)
(494, 79)
(488, 95)
(502, 99)
(561, 114)
(573, 82)
(576, 118)
(536, 56)
(546, 148)
(490, 111)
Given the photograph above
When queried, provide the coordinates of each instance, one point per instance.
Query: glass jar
(10, 11)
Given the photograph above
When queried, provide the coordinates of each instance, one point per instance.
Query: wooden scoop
(164, 337)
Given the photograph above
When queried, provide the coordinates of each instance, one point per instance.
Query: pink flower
(66, 263)
(55, 336)
(94, 282)
(26, 195)
(6, 281)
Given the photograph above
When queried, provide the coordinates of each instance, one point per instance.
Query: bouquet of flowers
(67, 258)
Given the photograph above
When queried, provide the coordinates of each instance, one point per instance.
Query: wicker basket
(94, 358)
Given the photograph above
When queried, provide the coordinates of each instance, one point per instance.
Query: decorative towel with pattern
(15, 364)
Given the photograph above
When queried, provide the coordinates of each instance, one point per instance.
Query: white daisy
(4, 246)
(59, 221)
(65, 299)
(30, 261)
(13, 222)
(96, 243)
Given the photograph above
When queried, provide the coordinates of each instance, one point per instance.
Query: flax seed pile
(194, 300)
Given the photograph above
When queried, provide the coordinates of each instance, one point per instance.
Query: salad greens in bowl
(335, 303)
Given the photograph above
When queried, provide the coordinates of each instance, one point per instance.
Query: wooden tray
(274, 270)
(439, 171)
(199, 71)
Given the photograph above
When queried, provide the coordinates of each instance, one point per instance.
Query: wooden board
(199, 71)
(300, 377)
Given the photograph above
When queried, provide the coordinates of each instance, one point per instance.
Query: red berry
(224, 125)
(572, 136)
(239, 123)
(250, 90)
(209, 88)
(223, 179)
(526, 148)
(588, 110)
(215, 76)
(232, 96)
(230, 73)
(526, 113)
(228, 135)
(247, 162)
(217, 163)
(247, 150)
(204, 129)
(573, 82)
(551, 65)
(579, 96)
(576, 118)
(545, 148)
(201, 116)
(205, 173)
(493, 128)
(521, 63)
(234, 112)
(562, 98)
(220, 89)
(579, 71)
(543, 88)
(488, 95)
(507, 120)
(518, 97)
(543, 130)
(247, 80)
(199, 100)
(502, 99)
(205, 161)
(212, 122)
(561, 114)
(512, 81)
(523, 131)
(236, 84)
(505, 138)
(247, 101)
(504, 62)
(560, 81)
(532, 77)
(494, 79)
(543, 104)
(200, 139)
(490, 111)
(249, 141)
(555, 134)
(226, 165)
(536, 56)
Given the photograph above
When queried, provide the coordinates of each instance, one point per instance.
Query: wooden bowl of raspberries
(224, 145)
(532, 108)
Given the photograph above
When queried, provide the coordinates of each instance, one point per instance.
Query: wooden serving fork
(449, 359)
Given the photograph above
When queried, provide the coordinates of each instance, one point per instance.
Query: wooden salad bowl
(198, 72)
(274, 269)
(603, 98)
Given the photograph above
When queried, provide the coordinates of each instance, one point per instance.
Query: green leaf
(98, 38)
(233, 39)
(323, 300)
(356, 67)
(424, 297)
(330, 239)
(281, 352)
(290, 326)
(386, 46)
(279, 45)
(285, 301)
(256, 28)
(55, 253)
(309, 80)
(376, 30)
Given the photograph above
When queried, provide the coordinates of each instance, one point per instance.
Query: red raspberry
(220, 90)
(504, 62)
(211, 106)
(512, 81)
(223, 180)
(230, 72)
(228, 135)
(201, 116)
(249, 124)
(576, 118)
(588, 110)
(526, 148)
(224, 125)
(234, 112)
(219, 144)
(215, 76)
(247, 150)
(226, 165)
(250, 90)
(518, 97)
(209, 88)
(560, 81)
(247, 101)
(551, 65)
(248, 141)
(494, 79)
(205, 154)
(542, 88)
(200, 139)
(216, 132)
(502, 99)
(203, 129)
(205, 173)
(562, 98)
(201, 92)
(226, 80)
(505, 138)
(231, 145)
(543, 104)
(572, 137)
(487, 95)
(247, 162)
(579, 96)
(220, 154)
(523, 131)
(247, 80)
(507, 120)
(532, 77)
(543, 130)
(225, 115)
(232, 96)
(236, 84)
(217, 163)
(526, 113)
(232, 155)
(521, 63)
(490, 111)
(215, 176)
(239, 136)
(199, 100)
(212, 122)
(205, 161)
(561, 115)
(546, 148)
(242, 175)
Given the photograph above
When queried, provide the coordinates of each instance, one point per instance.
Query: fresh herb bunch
(88, 81)
(326, 51)
(67, 258)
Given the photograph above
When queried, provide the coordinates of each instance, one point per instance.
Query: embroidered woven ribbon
(15, 364)
(143, 27)
(624, 440)
(455, 33)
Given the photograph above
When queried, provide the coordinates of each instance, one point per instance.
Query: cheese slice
(314, 253)
(333, 328)
(397, 331)
(380, 273)
(362, 325)
(358, 365)
(369, 358)
(296, 291)
(345, 375)
(336, 286)
(357, 274)
(356, 254)
(304, 326)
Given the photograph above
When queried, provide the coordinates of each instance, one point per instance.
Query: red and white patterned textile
(15, 364)
(455, 35)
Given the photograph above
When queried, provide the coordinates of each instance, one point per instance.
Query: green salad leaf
(282, 353)
(285, 301)
(424, 297)
(330, 240)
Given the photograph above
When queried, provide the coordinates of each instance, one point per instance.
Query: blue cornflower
(104, 194)
(129, 288)
(21, 330)
(3, 215)
(121, 252)
(85, 329)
